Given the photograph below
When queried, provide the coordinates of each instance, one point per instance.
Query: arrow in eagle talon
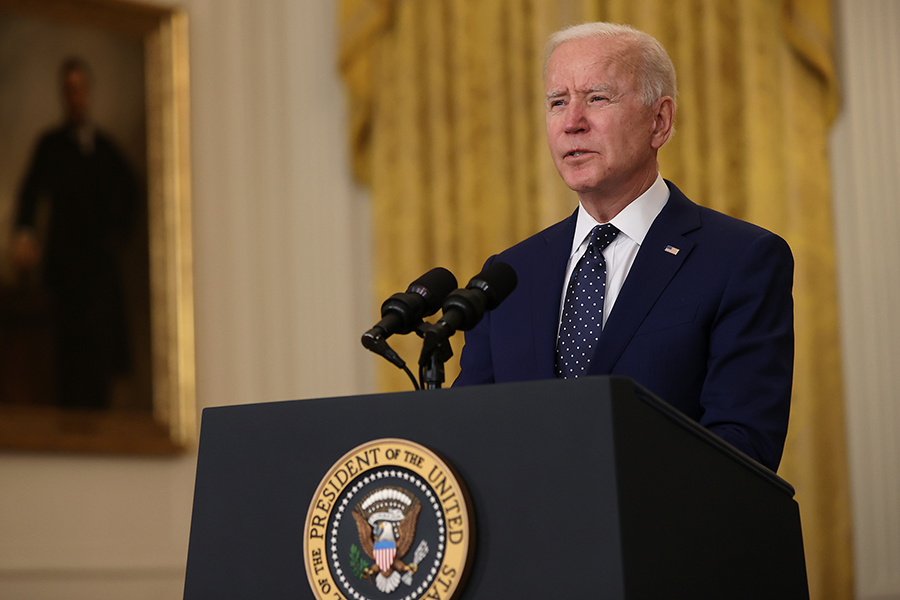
(421, 551)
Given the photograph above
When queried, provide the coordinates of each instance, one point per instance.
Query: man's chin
(582, 185)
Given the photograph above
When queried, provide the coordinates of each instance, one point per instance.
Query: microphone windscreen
(497, 281)
(434, 286)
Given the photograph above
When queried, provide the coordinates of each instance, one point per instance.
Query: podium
(584, 488)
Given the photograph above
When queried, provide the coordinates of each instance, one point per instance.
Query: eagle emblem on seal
(386, 519)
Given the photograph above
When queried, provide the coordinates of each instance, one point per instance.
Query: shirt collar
(633, 221)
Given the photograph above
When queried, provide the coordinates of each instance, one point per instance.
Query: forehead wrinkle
(607, 69)
(615, 59)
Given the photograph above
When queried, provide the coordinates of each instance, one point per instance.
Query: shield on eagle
(384, 554)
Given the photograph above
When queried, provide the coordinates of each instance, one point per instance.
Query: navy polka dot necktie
(582, 319)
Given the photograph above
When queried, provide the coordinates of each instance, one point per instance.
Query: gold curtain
(446, 125)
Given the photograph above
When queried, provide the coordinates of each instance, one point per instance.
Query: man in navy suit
(695, 306)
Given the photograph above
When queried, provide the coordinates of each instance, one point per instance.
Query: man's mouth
(577, 153)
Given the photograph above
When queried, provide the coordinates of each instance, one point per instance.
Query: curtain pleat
(447, 131)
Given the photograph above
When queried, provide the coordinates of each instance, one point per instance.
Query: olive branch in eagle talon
(357, 564)
(386, 519)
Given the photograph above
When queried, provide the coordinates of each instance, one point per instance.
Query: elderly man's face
(600, 132)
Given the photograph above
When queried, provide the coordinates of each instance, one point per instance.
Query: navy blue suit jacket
(708, 329)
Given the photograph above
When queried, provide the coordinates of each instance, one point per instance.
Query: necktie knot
(602, 236)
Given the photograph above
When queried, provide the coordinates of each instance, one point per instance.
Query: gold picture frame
(169, 424)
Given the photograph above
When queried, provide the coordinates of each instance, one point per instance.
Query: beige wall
(281, 277)
(866, 173)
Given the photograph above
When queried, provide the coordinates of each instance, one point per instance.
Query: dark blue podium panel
(581, 488)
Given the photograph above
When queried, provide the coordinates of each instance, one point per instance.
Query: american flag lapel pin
(672, 250)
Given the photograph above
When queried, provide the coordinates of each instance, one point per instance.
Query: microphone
(402, 312)
(463, 309)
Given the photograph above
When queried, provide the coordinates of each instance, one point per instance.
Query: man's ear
(663, 119)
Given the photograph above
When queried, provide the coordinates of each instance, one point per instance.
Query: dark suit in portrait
(91, 195)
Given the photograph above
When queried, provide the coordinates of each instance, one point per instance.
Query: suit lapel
(550, 270)
(651, 272)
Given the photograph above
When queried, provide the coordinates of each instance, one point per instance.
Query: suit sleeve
(747, 391)
(33, 184)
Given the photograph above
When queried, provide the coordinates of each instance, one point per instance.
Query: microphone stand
(434, 355)
(436, 351)
(373, 341)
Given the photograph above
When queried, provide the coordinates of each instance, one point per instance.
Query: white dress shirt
(633, 222)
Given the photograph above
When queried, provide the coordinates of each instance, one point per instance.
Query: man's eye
(556, 103)
(597, 98)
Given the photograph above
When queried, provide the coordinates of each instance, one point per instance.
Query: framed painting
(96, 311)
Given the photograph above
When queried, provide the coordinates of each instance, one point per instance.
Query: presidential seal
(389, 521)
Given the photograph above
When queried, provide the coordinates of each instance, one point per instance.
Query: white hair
(654, 71)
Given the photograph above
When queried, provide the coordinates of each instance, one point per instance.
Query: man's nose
(575, 121)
